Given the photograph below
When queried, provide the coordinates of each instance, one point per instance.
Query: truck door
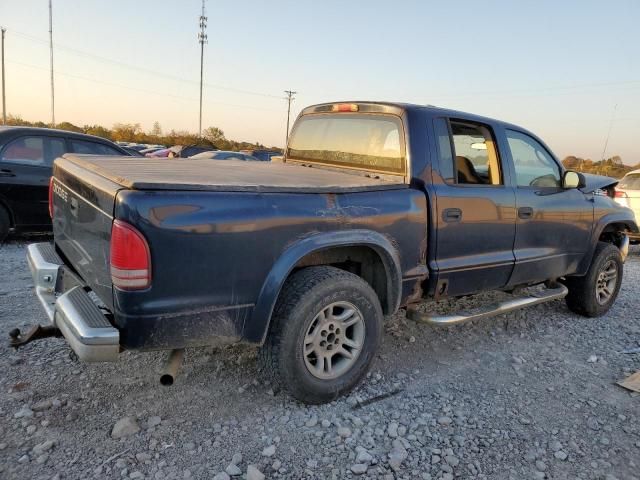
(25, 168)
(475, 209)
(553, 224)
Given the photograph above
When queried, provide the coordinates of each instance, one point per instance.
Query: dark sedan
(26, 157)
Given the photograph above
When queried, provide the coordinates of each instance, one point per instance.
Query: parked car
(377, 207)
(161, 153)
(185, 151)
(137, 147)
(264, 155)
(628, 192)
(150, 150)
(132, 152)
(26, 158)
(226, 155)
(628, 195)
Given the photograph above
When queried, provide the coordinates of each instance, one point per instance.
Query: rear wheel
(594, 294)
(325, 330)
(5, 224)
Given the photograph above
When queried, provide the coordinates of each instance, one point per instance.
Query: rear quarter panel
(212, 251)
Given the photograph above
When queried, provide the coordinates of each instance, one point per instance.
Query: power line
(202, 39)
(148, 71)
(290, 98)
(144, 90)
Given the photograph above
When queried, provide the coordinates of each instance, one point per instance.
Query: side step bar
(491, 310)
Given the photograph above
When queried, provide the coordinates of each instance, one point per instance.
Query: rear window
(631, 182)
(92, 148)
(370, 142)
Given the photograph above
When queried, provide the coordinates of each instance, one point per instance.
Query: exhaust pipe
(171, 367)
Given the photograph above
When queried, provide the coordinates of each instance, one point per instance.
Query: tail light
(620, 194)
(130, 258)
(51, 198)
(344, 107)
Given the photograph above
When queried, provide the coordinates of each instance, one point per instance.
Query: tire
(315, 306)
(5, 224)
(587, 294)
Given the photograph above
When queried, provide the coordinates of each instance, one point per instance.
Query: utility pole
(53, 107)
(202, 38)
(4, 100)
(290, 98)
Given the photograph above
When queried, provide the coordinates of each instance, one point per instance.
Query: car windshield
(368, 142)
(631, 182)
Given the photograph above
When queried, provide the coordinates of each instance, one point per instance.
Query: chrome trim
(490, 310)
(45, 276)
(624, 247)
(91, 344)
(99, 343)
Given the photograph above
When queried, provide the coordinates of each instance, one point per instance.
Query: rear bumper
(70, 308)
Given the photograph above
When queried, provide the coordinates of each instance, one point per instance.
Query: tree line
(611, 167)
(133, 132)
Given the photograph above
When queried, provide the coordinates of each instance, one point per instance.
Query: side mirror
(573, 179)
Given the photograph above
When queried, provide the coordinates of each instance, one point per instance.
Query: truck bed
(225, 175)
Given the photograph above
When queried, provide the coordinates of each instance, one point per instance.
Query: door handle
(451, 215)
(6, 173)
(525, 212)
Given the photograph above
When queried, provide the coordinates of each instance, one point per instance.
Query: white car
(628, 192)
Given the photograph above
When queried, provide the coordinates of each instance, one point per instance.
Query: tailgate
(82, 218)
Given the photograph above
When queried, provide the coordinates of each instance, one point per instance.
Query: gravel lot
(526, 395)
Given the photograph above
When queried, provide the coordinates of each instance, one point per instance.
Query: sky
(569, 71)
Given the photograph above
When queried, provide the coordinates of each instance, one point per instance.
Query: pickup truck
(375, 207)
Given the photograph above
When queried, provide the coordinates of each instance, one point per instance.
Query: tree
(572, 162)
(126, 132)
(214, 135)
(16, 120)
(98, 131)
(156, 131)
(69, 127)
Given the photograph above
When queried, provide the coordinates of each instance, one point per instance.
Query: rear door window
(367, 142)
(25, 151)
(467, 153)
(92, 148)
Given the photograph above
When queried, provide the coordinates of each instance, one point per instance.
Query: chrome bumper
(69, 307)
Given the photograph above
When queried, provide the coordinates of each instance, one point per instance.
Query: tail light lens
(130, 258)
(619, 194)
(51, 198)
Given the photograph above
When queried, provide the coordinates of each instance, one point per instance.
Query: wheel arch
(606, 230)
(336, 249)
(5, 205)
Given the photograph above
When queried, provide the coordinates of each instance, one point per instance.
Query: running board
(491, 310)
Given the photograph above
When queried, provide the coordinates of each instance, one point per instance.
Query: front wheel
(325, 331)
(594, 294)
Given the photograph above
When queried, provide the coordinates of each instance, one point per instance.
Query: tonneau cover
(224, 175)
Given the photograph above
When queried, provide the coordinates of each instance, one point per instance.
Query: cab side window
(534, 166)
(92, 148)
(468, 154)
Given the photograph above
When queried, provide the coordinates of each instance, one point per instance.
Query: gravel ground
(527, 395)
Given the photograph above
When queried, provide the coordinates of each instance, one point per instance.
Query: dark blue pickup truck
(375, 207)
